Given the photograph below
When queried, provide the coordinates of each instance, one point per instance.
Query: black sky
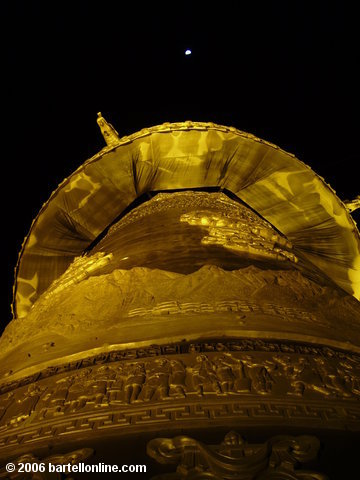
(286, 71)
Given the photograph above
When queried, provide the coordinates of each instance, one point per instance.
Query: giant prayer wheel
(188, 300)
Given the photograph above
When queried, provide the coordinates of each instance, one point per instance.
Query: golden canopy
(188, 155)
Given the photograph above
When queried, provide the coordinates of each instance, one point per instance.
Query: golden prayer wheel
(187, 300)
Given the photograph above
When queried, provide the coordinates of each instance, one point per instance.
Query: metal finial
(109, 133)
(352, 205)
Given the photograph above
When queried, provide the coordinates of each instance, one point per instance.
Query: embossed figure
(97, 390)
(76, 398)
(240, 381)
(52, 403)
(296, 371)
(115, 389)
(322, 377)
(305, 378)
(351, 376)
(225, 375)
(135, 378)
(23, 404)
(204, 377)
(5, 401)
(177, 379)
(331, 379)
(156, 386)
(258, 373)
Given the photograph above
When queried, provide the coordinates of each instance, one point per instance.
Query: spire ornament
(109, 133)
(352, 205)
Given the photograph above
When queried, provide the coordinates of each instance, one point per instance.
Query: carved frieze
(349, 362)
(250, 380)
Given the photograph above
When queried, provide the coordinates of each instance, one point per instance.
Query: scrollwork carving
(280, 458)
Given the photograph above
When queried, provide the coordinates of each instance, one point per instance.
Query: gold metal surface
(352, 205)
(178, 266)
(186, 155)
(109, 133)
(243, 382)
(187, 280)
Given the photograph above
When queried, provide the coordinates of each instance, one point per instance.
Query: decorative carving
(21, 406)
(80, 269)
(5, 401)
(241, 232)
(352, 205)
(172, 308)
(277, 459)
(344, 365)
(134, 379)
(180, 379)
(202, 202)
(53, 401)
(203, 376)
(156, 386)
(177, 380)
(126, 417)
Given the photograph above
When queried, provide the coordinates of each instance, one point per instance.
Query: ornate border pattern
(243, 382)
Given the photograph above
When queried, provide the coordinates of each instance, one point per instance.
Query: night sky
(284, 71)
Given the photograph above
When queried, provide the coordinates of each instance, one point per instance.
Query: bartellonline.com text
(74, 468)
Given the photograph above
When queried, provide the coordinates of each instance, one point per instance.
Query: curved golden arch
(281, 188)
